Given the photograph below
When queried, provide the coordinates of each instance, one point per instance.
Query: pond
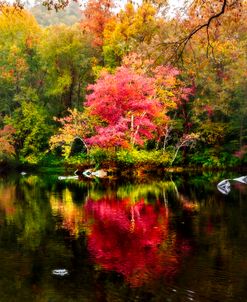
(175, 238)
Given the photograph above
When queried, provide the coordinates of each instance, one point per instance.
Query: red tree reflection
(133, 239)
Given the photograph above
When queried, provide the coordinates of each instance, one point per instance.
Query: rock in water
(242, 179)
(60, 272)
(224, 186)
(100, 173)
(67, 177)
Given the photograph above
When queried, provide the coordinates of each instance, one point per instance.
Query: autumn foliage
(7, 141)
(128, 108)
(125, 102)
(96, 15)
(139, 79)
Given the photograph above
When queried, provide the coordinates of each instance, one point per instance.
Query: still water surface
(170, 239)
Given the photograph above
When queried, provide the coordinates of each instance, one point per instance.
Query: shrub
(213, 159)
(132, 157)
(98, 155)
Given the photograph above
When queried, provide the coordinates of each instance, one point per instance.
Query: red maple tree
(126, 104)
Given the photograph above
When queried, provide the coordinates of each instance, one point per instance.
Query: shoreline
(114, 169)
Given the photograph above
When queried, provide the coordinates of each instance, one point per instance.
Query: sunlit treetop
(12, 19)
(204, 11)
(95, 16)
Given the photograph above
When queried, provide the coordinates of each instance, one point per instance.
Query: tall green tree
(32, 127)
(66, 56)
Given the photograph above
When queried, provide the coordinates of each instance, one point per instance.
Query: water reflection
(134, 239)
(127, 231)
(72, 214)
(20, 201)
(7, 200)
(118, 239)
(128, 235)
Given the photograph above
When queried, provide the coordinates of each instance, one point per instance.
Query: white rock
(242, 179)
(224, 186)
(60, 272)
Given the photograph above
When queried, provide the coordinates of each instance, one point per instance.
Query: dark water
(170, 239)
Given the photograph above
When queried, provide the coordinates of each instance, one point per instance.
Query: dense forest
(129, 87)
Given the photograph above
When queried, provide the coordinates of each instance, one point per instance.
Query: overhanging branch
(177, 47)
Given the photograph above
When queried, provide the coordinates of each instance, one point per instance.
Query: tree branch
(179, 45)
(185, 40)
